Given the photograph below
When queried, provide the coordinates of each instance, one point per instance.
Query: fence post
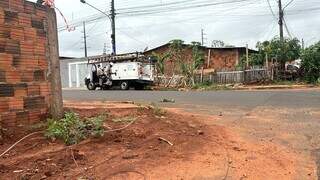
(56, 103)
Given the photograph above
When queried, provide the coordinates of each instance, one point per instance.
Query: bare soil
(200, 150)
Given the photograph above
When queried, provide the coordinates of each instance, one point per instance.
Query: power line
(288, 4)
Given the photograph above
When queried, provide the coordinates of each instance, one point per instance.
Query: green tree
(311, 63)
(175, 53)
(188, 68)
(285, 51)
(217, 44)
(161, 62)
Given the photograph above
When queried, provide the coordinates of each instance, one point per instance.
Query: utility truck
(124, 70)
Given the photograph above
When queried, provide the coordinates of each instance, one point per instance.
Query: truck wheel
(124, 85)
(139, 87)
(91, 86)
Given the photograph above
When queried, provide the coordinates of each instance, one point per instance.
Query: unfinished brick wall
(24, 88)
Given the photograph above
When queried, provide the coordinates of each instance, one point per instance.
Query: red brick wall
(24, 88)
(220, 59)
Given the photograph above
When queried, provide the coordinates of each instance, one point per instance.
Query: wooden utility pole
(281, 20)
(113, 28)
(56, 103)
(247, 56)
(85, 40)
(267, 61)
(202, 37)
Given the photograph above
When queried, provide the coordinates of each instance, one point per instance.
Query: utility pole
(281, 14)
(113, 27)
(247, 56)
(202, 37)
(85, 40)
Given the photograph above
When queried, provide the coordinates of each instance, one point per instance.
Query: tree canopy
(311, 63)
(288, 50)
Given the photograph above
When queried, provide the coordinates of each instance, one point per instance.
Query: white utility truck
(124, 70)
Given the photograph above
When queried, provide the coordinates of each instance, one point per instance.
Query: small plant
(72, 129)
(157, 110)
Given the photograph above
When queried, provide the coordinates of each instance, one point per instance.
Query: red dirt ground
(199, 151)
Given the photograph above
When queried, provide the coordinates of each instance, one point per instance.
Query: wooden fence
(234, 77)
(229, 77)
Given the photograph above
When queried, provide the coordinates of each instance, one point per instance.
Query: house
(73, 71)
(217, 59)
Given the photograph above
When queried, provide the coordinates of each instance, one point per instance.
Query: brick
(28, 62)
(40, 49)
(17, 33)
(26, 76)
(16, 5)
(4, 105)
(27, 48)
(1, 16)
(24, 19)
(4, 31)
(30, 33)
(13, 76)
(41, 11)
(29, 8)
(3, 43)
(15, 104)
(41, 34)
(44, 89)
(20, 90)
(33, 102)
(6, 90)
(39, 75)
(43, 63)
(37, 23)
(11, 17)
(22, 118)
(8, 120)
(34, 116)
(12, 46)
(6, 61)
(33, 89)
(4, 4)
(2, 76)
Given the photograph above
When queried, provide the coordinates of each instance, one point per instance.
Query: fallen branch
(112, 130)
(163, 139)
(74, 159)
(25, 137)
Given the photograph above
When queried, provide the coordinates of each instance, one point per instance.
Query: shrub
(72, 129)
(311, 63)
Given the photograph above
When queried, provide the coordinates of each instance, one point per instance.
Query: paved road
(223, 99)
(290, 118)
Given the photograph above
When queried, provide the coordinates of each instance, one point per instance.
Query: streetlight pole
(112, 20)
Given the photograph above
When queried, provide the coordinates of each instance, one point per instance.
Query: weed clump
(72, 129)
(157, 111)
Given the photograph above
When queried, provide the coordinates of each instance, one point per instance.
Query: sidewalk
(266, 87)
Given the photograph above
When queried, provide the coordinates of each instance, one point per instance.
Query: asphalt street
(237, 99)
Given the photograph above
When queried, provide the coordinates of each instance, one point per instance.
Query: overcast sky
(236, 23)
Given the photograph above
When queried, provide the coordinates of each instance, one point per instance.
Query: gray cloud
(236, 24)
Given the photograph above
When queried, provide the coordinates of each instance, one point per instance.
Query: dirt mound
(170, 146)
